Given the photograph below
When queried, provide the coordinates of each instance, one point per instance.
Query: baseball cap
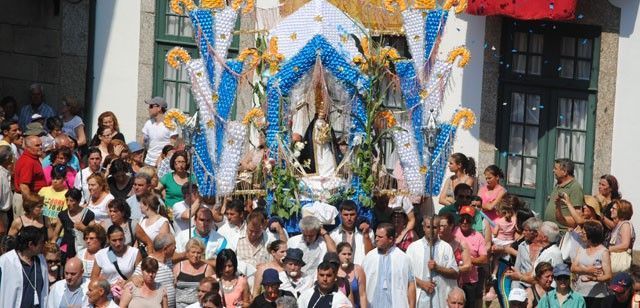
(561, 269)
(621, 282)
(270, 276)
(134, 147)
(469, 210)
(34, 129)
(36, 116)
(160, 101)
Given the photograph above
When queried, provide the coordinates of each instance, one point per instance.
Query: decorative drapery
(525, 9)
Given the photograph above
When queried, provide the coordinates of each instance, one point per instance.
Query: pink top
(71, 175)
(506, 229)
(235, 295)
(477, 248)
(488, 196)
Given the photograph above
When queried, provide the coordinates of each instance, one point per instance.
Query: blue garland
(434, 25)
(281, 84)
(440, 158)
(226, 99)
(203, 23)
(410, 85)
(202, 165)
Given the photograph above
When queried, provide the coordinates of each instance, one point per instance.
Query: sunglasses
(153, 106)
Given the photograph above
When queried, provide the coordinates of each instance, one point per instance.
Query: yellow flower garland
(459, 52)
(177, 55)
(425, 4)
(248, 7)
(272, 56)
(173, 116)
(465, 114)
(251, 115)
(212, 4)
(388, 117)
(250, 52)
(388, 4)
(461, 5)
(187, 4)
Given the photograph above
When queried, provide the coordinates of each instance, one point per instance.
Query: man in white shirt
(155, 134)
(434, 266)
(94, 159)
(314, 242)
(358, 235)
(72, 291)
(326, 292)
(186, 209)
(390, 281)
(294, 279)
(98, 294)
(212, 240)
(233, 224)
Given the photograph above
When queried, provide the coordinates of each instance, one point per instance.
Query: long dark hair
(468, 163)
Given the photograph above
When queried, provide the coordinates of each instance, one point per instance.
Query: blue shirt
(26, 112)
(383, 292)
(573, 300)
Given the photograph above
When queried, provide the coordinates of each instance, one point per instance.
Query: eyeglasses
(462, 222)
(153, 106)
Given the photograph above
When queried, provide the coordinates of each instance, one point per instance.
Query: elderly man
(390, 281)
(207, 285)
(434, 266)
(63, 141)
(212, 240)
(37, 105)
(326, 292)
(28, 176)
(141, 187)
(154, 133)
(94, 158)
(563, 170)
(98, 294)
(6, 195)
(546, 241)
(359, 236)
(271, 284)
(523, 262)
(72, 291)
(10, 134)
(293, 278)
(164, 246)
(24, 278)
(314, 242)
(456, 298)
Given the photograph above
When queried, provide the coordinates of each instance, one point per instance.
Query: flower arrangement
(254, 116)
(388, 118)
(380, 57)
(248, 7)
(212, 4)
(461, 5)
(250, 52)
(465, 114)
(388, 5)
(177, 8)
(173, 116)
(425, 4)
(177, 55)
(462, 52)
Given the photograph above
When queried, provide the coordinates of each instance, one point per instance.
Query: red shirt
(28, 170)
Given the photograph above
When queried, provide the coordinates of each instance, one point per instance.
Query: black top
(120, 193)
(34, 275)
(95, 141)
(611, 301)
(261, 301)
(182, 276)
(68, 238)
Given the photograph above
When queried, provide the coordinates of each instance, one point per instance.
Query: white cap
(518, 295)
(36, 116)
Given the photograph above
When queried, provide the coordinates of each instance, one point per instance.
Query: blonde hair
(102, 182)
(194, 242)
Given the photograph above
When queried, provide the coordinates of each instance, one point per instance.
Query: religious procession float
(322, 128)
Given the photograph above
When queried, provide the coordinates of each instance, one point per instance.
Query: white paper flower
(298, 146)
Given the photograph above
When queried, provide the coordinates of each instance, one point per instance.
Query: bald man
(72, 291)
(28, 176)
(456, 298)
(98, 294)
(63, 141)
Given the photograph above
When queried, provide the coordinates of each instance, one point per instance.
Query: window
(547, 104)
(176, 30)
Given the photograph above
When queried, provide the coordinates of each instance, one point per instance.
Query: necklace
(34, 284)
(227, 288)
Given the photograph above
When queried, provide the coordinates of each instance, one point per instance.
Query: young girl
(492, 192)
(503, 234)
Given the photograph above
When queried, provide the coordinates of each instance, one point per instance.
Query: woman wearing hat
(590, 211)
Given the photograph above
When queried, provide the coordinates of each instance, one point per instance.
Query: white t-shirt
(69, 128)
(154, 229)
(100, 209)
(231, 232)
(214, 243)
(180, 224)
(313, 253)
(157, 135)
(126, 263)
(81, 183)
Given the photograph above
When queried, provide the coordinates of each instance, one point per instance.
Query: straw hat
(594, 204)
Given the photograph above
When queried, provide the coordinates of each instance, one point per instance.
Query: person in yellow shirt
(54, 195)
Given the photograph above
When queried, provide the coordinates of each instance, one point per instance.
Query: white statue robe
(402, 274)
(419, 252)
(11, 280)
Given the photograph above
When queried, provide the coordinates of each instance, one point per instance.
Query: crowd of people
(101, 222)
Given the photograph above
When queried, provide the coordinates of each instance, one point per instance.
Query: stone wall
(41, 44)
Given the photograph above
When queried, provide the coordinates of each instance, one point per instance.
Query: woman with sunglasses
(54, 262)
(471, 282)
(105, 135)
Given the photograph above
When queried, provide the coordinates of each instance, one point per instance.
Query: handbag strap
(115, 264)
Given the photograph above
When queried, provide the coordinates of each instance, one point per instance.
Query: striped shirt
(164, 277)
(27, 111)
